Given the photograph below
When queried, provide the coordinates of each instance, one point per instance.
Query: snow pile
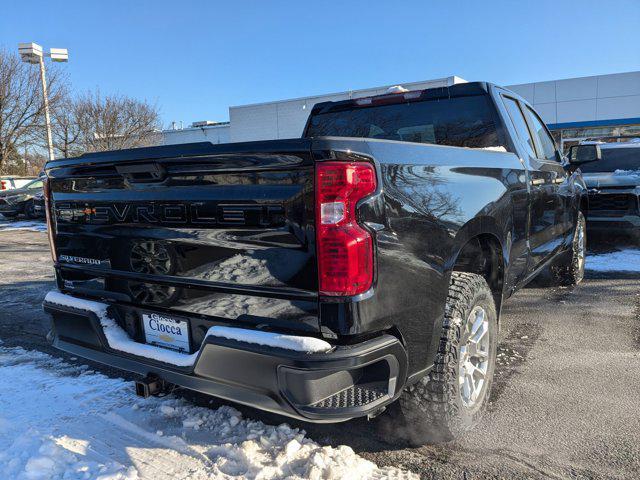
(635, 173)
(60, 421)
(23, 225)
(627, 260)
(118, 339)
(36, 456)
(39, 396)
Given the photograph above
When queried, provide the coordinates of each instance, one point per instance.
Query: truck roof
(457, 90)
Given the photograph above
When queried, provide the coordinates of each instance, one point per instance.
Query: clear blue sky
(194, 59)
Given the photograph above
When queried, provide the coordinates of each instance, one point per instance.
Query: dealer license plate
(166, 332)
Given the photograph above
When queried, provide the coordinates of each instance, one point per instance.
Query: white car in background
(12, 182)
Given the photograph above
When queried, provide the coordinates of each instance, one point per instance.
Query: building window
(615, 133)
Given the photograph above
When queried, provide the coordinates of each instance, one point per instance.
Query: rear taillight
(48, 208)
(345, 249)
(3, 185)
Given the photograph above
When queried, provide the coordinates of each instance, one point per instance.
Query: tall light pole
(32, 53)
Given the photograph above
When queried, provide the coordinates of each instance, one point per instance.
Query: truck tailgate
(221, 233)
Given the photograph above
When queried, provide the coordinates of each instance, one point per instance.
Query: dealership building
(601, 106)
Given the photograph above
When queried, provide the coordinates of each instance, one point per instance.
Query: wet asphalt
(565, 403)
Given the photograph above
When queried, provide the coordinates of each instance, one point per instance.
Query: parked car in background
(612, 174)
(323, 277)
(39, 205)
(21, 200)
(12, 182)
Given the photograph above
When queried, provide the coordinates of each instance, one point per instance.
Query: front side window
(519, 123)
(546, 143)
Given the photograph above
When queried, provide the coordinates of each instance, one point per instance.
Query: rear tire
(453, 396)
(569, 268)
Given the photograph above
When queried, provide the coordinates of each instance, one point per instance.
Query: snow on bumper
(302, 377)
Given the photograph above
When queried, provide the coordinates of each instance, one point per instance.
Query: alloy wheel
(580, 245)
(474, 357)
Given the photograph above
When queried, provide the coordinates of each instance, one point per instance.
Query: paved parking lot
(565, 403)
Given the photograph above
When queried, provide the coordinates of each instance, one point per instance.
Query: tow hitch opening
(150, 385)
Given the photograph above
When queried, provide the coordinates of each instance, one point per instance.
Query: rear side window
(458, 121)
(519, 123)
(544, 139)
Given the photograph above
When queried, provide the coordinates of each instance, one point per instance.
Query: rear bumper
(347, 382)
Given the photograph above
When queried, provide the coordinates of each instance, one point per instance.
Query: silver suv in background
(612, 175)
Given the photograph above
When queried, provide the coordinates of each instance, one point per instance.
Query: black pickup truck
(324, 277)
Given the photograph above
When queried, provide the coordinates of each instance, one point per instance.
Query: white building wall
(214, 134)
(601, 97)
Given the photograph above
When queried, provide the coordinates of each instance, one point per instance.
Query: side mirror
(579, 154)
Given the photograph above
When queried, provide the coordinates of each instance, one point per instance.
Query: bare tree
(65, 130)
(21, 105)
(115, 122)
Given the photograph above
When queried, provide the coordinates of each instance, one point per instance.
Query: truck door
(549, 161)
(543, 178)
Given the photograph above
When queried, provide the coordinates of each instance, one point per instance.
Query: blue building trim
(594, 123)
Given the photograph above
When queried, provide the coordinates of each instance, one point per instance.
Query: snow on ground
(627, 260)
(36, 226)
(635, 173)
(63, 421)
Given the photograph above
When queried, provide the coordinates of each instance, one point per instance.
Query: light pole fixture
(32, 53)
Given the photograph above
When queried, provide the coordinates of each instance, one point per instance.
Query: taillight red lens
(3, 185)
(345, 249)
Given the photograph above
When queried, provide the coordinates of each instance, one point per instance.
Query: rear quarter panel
(432, 201)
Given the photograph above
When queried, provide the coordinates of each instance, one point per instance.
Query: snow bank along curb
(118, 339)
(22, 225)
(627, 260)
(64, 421)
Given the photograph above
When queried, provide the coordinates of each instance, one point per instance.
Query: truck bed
(225, 234)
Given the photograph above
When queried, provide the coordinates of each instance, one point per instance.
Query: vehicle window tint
(620, 160)
(36, 184)
(517, 118)
(456, 121)
(544, 139)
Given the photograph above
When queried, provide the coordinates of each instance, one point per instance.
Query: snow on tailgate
(63, 421)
